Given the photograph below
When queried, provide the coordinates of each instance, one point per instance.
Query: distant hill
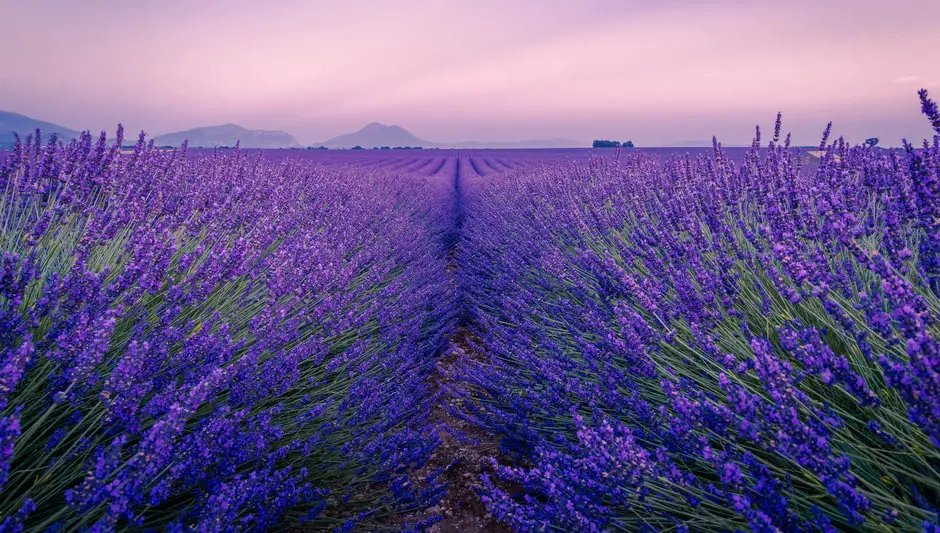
(371, 135)
(11, 123)
(375, 134)
(228, 135)
(378, 135)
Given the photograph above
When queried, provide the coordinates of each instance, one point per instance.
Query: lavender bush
(238, 340)
(215, 341)
(702, 344)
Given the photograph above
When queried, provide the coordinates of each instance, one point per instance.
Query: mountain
(11, 123)
(228, 135)
(372, 135)
(375, 134)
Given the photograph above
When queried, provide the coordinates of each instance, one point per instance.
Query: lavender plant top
(214, 341)
(702, 344)
(241, 341)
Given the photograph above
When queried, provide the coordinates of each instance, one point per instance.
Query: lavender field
(576, 340)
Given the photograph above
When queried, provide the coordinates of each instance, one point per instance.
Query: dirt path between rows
(465, 457)
(464, 452)
(465, 449)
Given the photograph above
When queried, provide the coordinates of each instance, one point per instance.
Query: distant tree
(872, 141)
(357, 147)
(385, 148)
(627, 144)
(375, 147)
(599, 143)
(322, 148)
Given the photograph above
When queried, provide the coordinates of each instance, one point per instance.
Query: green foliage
(600, 143)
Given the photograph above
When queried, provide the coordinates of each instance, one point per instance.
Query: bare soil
(465, 459)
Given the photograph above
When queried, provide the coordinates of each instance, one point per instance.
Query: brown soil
(464, 461)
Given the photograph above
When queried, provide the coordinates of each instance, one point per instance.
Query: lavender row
(215, 341)
(704, 344)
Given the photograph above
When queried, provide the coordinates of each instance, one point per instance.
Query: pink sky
(652, 71)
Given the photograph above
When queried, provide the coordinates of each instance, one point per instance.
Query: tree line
(601, 143)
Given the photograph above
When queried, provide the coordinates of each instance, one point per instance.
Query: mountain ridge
(228, 135)
(15, 123)
(376, 134)
(373, 134)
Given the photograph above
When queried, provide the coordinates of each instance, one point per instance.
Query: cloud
(907, 79)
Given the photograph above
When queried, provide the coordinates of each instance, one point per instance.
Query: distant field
(735, 153)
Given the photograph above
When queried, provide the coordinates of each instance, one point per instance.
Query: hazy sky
(655, 71)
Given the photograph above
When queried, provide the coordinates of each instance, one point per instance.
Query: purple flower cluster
(707, 343)
(216, 340)
(237, 340)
